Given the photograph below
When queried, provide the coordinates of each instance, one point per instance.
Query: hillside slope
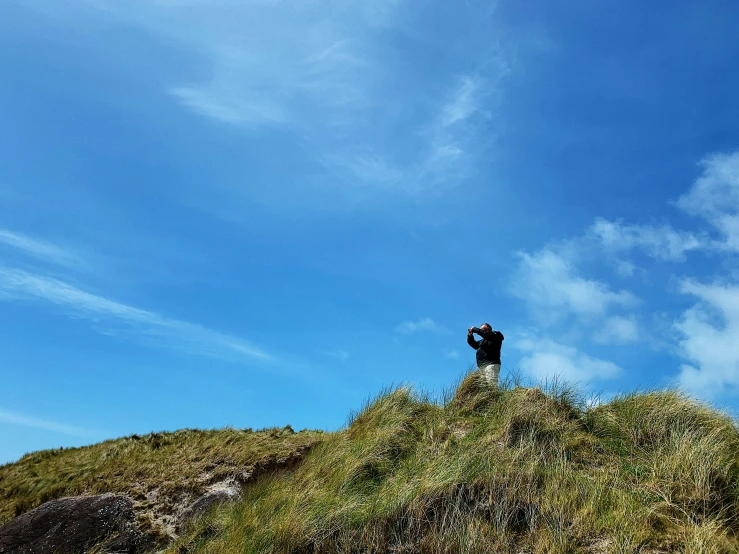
(162, 472)
(516, 470)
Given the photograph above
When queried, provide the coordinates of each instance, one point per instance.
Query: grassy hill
(518, 470)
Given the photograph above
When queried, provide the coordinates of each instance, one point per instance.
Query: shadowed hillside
(520, 470)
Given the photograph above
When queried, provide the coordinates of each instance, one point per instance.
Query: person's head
(486, 327)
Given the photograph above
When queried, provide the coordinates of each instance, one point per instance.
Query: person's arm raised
(471, 340)
(484, 335)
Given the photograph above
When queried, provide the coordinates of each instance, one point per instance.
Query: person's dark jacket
(488, 347)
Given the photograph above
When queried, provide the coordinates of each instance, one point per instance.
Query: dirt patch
(163, 512)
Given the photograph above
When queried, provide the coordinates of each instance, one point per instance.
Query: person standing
(488, 351)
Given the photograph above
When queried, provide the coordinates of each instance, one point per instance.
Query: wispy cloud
(451, 354)
(662, 242)
(618, 330)
(546, 359)
(462, 105)
(341, 355)
(290, 64)
(715, 197)
(39, 249)
(14, 418)
(455, 132)
(441, 160)
(114, 318)
(230, 110)
(326, 74)
(426, 324)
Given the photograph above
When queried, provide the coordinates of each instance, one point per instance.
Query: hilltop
(518, 470)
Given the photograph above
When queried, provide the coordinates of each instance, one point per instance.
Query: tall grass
(510, 470)
(518, 469)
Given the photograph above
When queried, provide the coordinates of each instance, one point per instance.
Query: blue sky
(258, 213)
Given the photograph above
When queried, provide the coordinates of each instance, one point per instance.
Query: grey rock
(204, 504)
(74, 525)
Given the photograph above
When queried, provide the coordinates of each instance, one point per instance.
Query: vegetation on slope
(519, 470)
(159, 471)
(516, 470)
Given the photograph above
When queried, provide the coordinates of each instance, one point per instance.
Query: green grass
(520, 470)
(517, 470)
(158, 470)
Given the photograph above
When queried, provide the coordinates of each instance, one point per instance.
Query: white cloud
(230, 110)
(546, 359)
(39, 249)
(453, 132)
(14, 418)
(451, 354)
(300, 63)
(441, 160)
(120, 319)
(462, 105)
(661, 242)
(425, 324)
(707, 333)
(618, 330)
(715, 197)
(287, 66)
(625, 268)
(341, 355)
(552, 287)
(327, 74)
(710, 335)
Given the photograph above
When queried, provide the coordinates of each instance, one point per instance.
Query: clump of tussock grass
(706, 537)
(678, 450)
(647, 420)
(473, 394)
(382, 433)
(532, 418)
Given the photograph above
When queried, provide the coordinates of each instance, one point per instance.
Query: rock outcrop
(221, 493)
(74, 525)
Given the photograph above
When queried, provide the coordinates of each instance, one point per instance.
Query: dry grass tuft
(473, 394)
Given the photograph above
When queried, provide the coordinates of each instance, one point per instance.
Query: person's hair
(487, 325)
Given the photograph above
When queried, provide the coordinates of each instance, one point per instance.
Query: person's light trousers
(490, 373)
